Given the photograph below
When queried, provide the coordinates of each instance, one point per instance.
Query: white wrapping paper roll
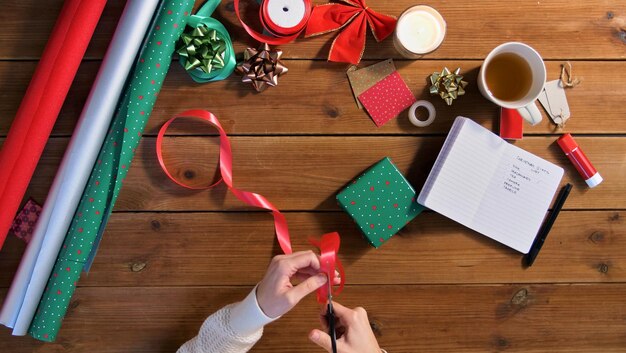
(32, 275)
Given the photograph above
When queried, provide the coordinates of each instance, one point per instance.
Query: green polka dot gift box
(381, 202)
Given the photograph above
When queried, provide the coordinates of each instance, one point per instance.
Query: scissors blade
(330, 317)
(330, 290)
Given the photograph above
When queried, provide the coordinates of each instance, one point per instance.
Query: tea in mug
(508, 77)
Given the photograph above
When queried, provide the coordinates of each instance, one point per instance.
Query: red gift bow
(349, 44)
(328, 244)
(329, 262)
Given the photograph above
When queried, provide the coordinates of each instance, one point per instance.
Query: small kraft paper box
(381, 202)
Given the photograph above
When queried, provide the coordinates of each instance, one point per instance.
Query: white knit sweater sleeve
(233, 329)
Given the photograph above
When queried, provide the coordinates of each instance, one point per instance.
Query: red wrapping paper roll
(42, 102)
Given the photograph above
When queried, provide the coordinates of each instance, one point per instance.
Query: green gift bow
(109, 172)
(205, 48)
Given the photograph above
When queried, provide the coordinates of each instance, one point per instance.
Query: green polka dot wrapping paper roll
(111, 168)
(381, 201)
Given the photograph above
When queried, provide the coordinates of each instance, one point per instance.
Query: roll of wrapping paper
(42, 102)
(111, 168)
(284, 20)
(42, 251)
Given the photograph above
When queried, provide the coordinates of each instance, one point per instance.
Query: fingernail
(314, 336)
(321, 278)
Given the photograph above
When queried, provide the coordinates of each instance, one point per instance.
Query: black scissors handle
(330, 317)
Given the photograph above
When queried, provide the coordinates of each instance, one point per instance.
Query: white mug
(526, 105)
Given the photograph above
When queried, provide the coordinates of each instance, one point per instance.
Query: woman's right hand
(354, 334)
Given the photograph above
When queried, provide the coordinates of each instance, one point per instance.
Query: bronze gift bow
(352, 19)
(261, 67)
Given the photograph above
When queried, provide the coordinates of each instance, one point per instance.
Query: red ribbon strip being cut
(283, 19)
(328, 244)
(226, 170)
(42, 102)
(352, 20)
(329, 262)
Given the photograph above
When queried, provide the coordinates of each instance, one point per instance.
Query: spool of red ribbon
(283, 19)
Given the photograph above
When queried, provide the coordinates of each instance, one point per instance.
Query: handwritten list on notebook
(491, 186)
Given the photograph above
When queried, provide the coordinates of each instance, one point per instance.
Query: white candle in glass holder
(420, 30)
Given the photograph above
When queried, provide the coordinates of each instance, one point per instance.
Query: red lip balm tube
(580, 161)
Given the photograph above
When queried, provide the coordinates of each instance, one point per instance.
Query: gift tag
(386, 99)
(363, 79)
(554, 101)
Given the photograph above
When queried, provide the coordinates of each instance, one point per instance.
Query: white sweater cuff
(247, 317)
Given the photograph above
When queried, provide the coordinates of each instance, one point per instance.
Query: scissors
(330, 318)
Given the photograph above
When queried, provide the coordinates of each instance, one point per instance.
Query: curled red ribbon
(329, 262)
(352, 19)
(328, 244)
(226, 170)
(280, 35)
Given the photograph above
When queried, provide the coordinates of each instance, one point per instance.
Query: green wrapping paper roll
(111, 167)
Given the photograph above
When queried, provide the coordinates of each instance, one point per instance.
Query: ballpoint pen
(330, 318)
(547, 225)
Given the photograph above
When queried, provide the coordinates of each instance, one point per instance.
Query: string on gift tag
(566, 77)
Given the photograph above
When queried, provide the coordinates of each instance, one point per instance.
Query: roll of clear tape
(431, 113)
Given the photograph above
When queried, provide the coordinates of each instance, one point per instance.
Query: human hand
(276, 294)
(354, 334)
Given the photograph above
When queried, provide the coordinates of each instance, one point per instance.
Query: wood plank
(305, 173)
(29, 24)
(515, 318)
(323, 103)
(206, 249)
(474, 29)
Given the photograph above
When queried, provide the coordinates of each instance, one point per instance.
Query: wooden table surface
(171, 257)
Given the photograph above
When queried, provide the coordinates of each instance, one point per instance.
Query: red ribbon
(353, 18)
(328, 244)
(280, 35)
(329, 262)
(226, 170)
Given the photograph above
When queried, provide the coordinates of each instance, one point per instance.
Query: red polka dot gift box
(381, 201)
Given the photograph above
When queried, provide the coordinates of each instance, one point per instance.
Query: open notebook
(490, 186)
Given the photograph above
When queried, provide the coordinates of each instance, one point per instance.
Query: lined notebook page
(491, 186)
